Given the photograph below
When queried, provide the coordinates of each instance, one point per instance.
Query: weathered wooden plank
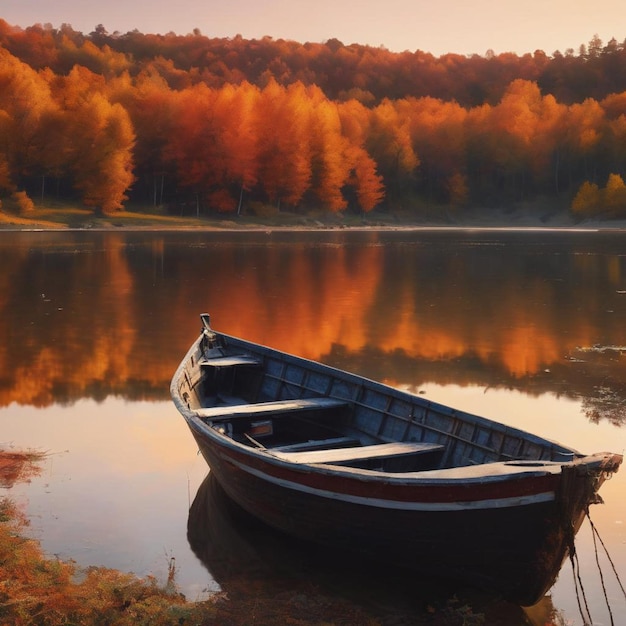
(317, 444)
(360, 453)
(230, 361)
(268, 409)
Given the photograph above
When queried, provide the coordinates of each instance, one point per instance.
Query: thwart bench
(268, 409)
(231, 361)
(340, 456)
(348, 452)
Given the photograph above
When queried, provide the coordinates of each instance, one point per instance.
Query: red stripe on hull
(376, 488)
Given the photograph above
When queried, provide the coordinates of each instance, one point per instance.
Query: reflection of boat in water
(341, 460)
(245, 556)
(234, 545)
(211, 533)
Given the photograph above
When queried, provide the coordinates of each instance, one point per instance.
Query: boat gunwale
(453, 476)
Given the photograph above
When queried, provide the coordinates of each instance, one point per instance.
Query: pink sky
(436, 26)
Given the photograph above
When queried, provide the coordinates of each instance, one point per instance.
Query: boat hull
(516, 550)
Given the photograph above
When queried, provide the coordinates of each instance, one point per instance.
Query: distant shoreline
(75, 220)
(589, 228)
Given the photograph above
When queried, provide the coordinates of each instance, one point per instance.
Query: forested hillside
(235, 125)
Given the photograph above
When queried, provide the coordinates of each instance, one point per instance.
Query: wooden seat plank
(231, 361)
(360, 453)
(268, 409)
(317, 444)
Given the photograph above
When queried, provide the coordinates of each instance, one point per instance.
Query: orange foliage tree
(389, 143)
(284, 134)
(438, 136)
(24, 99)
(237, 107)
(191, 142)
(614, 108)
(103, 140)
(212, 143)
(151, 106)
(585, 127)
(331, 165)
(227, 121)
(367, 183)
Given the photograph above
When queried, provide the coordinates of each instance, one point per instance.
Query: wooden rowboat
(338, 459)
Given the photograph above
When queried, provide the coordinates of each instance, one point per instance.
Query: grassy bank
(36, 589)
(537, 215)
(62, 216)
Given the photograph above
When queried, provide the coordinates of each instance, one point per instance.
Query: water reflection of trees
(95, 314)
(600, 389)
(608, 405)
(602, 385)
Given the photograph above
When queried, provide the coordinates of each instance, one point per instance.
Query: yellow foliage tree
(585, 126)
(614, 196)
(587, 200)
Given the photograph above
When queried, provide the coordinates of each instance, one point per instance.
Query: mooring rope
(595, 549)
(608, 556)
(596, 536)
(578, 585)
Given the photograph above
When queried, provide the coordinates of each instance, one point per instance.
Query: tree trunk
(240, 200)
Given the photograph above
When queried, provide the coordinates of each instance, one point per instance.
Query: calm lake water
(523, 327)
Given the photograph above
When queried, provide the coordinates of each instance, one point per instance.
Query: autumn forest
(232, 125)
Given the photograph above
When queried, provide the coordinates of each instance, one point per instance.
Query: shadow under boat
(242, 554)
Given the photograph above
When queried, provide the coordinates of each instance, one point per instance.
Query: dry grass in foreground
(35, 589)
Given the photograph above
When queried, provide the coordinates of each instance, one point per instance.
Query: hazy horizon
(446, 26)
